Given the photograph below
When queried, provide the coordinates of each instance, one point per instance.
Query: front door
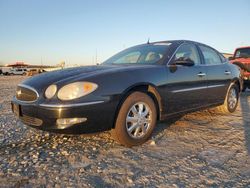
(186, 88)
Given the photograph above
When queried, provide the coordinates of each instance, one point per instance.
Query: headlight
(76, 90)
(50, 91)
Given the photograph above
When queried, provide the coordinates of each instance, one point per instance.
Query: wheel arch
(147, 88)
(238, 83)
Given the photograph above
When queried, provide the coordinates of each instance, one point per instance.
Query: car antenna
(148, 41)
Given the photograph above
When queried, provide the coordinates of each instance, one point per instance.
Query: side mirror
(230, 58)
(186, 62)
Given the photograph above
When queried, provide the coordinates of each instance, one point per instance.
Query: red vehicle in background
(242, 59)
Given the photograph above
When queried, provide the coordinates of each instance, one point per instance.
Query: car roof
(178, 42)
(242, 47)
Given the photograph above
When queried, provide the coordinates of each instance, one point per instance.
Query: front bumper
(99, 116)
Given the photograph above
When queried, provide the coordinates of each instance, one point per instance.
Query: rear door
(187, 85)
(218, 74)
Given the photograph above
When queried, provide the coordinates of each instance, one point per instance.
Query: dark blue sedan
(131, 91)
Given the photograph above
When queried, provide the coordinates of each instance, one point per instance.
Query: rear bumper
(99, 116)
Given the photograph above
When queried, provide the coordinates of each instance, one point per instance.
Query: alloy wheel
(232, 98)
(138, 120)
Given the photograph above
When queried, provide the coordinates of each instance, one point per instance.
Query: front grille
(31, 120)
(26, 94)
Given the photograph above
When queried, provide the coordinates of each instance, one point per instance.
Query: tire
(230, 104)
(130, 124)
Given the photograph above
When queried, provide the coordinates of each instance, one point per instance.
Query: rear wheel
(136, 120)
(231, 100)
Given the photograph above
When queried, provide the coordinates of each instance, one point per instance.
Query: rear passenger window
(211, 57)
(223, 59)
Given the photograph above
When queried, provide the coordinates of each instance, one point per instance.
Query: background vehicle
(18, 71)
(242, 59)
(32, 72)
(130, 91)
(6, 70)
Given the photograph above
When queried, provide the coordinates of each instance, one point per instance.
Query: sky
(82, 32)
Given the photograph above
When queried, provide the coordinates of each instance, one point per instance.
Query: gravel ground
(201, 149)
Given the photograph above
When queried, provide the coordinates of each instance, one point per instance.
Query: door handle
(201, 74)
(227, 72)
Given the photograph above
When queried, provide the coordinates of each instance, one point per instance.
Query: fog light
(67, 122)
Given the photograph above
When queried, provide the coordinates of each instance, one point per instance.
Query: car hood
(242, 60)
(42, 81)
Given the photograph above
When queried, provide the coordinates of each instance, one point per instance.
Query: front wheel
(231, 100)
(136, 120)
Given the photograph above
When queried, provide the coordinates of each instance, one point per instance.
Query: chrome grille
(26, 93)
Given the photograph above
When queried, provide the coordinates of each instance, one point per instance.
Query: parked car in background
(6, 70)
(242, 59)
(129, 92)
(32, 72)
(18, 71)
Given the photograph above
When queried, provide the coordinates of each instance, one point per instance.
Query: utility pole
(41, 60)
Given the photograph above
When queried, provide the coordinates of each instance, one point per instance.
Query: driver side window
(187, 52)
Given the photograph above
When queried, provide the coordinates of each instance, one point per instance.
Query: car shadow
(163, 125)
(245, 108)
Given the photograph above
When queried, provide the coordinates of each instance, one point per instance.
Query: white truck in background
(13, 71)
(6, 70)
(18, 71)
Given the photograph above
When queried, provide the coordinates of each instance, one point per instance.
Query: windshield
(145, 54)
(243, 52)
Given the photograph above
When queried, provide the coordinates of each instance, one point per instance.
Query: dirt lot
(200, 149)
